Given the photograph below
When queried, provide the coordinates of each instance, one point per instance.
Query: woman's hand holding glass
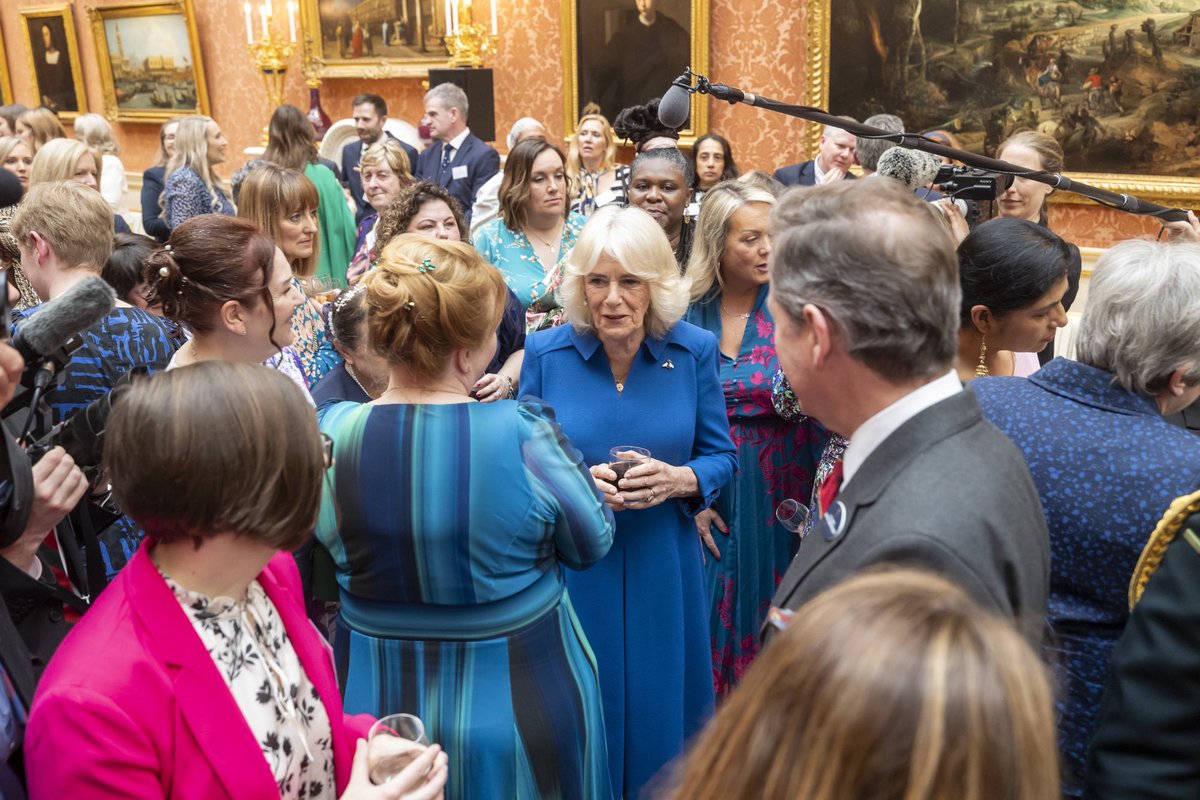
(423, 779)
(632, 479)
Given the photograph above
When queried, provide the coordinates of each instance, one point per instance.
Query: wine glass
(625, 457)
(324, 288)
(392, 744)
(792, 515)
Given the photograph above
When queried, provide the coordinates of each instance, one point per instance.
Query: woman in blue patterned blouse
(535, 231)
(450, 522)
(192, 188)
(749, 549)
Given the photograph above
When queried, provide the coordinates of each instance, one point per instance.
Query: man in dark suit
(1147, 742)
(370, 115)
(866, 328)
(458, 159)
(835, 155)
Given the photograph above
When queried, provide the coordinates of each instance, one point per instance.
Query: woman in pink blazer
(197, 674)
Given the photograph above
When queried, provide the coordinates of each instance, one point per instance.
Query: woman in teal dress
(450, 522)
(748, 549)
(535, 231)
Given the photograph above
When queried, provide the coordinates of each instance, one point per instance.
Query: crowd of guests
(513, 444)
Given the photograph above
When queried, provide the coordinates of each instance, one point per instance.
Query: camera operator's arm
(1187, 230)
(954, 219)
(58, 485)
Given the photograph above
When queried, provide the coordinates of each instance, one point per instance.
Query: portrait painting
(150, 63)
(54, 59)
(376, 38)
(1116, 82)
(620, 53)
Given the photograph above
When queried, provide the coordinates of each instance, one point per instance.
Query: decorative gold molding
(817, 43)
(1164, 533)
(699, 63)
(320, 65)
(99, 14)
(6, 92)
(64, 12)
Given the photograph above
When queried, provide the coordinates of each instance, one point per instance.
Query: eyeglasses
(327, 449)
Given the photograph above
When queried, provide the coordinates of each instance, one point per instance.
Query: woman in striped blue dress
(450, 522)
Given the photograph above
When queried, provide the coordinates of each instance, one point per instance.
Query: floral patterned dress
(776, 461)
(252, 651)
(531, 281)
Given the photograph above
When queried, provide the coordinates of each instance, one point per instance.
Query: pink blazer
(132, 706)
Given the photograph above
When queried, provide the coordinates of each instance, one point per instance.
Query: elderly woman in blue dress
(629, 371)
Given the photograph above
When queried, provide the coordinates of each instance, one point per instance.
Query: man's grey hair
(519, 127)
(451, 96)
(869, 150)
(880, 265)
(1142, 318)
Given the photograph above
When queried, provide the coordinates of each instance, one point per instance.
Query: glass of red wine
(625, 457)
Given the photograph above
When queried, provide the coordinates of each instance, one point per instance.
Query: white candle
(262, 12)
(268, 8)
(292, 18)
(448, 30)
(249, 26)
(453, 16)
(493, 17)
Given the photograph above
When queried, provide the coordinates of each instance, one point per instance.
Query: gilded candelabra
(271, 53)
(467, 39)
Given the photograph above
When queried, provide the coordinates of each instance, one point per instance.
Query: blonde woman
(592, 164)
(16, 156)
(748, 550)
(892, 686)
(95, 132)
(38, 126)
(385, 171)
(70, 160)
(192, 188)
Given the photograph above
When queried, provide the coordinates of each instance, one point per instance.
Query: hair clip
(346, 295)
(410, 305)
(164, 271)
(427, 266)
(167, 247)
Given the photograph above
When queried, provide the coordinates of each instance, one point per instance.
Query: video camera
(965, 183)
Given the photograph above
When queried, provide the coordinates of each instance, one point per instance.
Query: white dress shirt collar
(456, 143)
(878, 428)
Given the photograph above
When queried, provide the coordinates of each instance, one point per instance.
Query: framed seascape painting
(375, 38)
(53, 52)
(619, 53)
(1116, 82)
(150, 65)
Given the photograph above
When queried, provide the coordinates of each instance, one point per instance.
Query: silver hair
(631, 237)
(1142, 318)
(869, 150)
(879, 264)
(519, 127)
(451, 96)
(712, 227)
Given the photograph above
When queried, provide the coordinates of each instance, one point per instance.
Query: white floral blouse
(250, 647)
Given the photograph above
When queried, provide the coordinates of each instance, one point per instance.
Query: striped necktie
(446, 155)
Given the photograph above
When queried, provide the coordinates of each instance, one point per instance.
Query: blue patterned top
(455, 504)
(186, 196)
(1106, 466)
(512, 253)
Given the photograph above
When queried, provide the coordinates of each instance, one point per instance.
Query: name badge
(459, 172)
(835, 520)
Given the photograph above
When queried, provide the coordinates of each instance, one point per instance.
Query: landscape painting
(150, 61)
(376, 38)
(1116, 82)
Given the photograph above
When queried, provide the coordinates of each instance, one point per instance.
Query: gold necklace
(553, 245)
(620, 382)
(736, 316)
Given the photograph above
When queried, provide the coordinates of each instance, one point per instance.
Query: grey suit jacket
(946, 492)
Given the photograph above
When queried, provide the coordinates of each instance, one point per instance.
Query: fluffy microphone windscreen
(674, 107)
(913, 168)
(78, 308)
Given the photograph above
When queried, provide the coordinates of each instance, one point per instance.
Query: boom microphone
(676, 104)
(56, 321)
(913, 168)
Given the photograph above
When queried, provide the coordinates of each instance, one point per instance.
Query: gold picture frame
(163, 74)
(578, 64)
(1165, 189)
(408, 47)
(6, 92)
(61, 85)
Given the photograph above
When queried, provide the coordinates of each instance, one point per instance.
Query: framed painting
(374, 39)
(54, 59)
(619, 53)
(149, 59)
(1114, 82)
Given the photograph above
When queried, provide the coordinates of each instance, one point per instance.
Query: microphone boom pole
(719, 91)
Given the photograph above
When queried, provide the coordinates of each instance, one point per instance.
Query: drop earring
(981, 369)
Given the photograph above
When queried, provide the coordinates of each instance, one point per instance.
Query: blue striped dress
(449, 526)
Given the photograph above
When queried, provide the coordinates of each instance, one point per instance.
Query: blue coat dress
(643, 606)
